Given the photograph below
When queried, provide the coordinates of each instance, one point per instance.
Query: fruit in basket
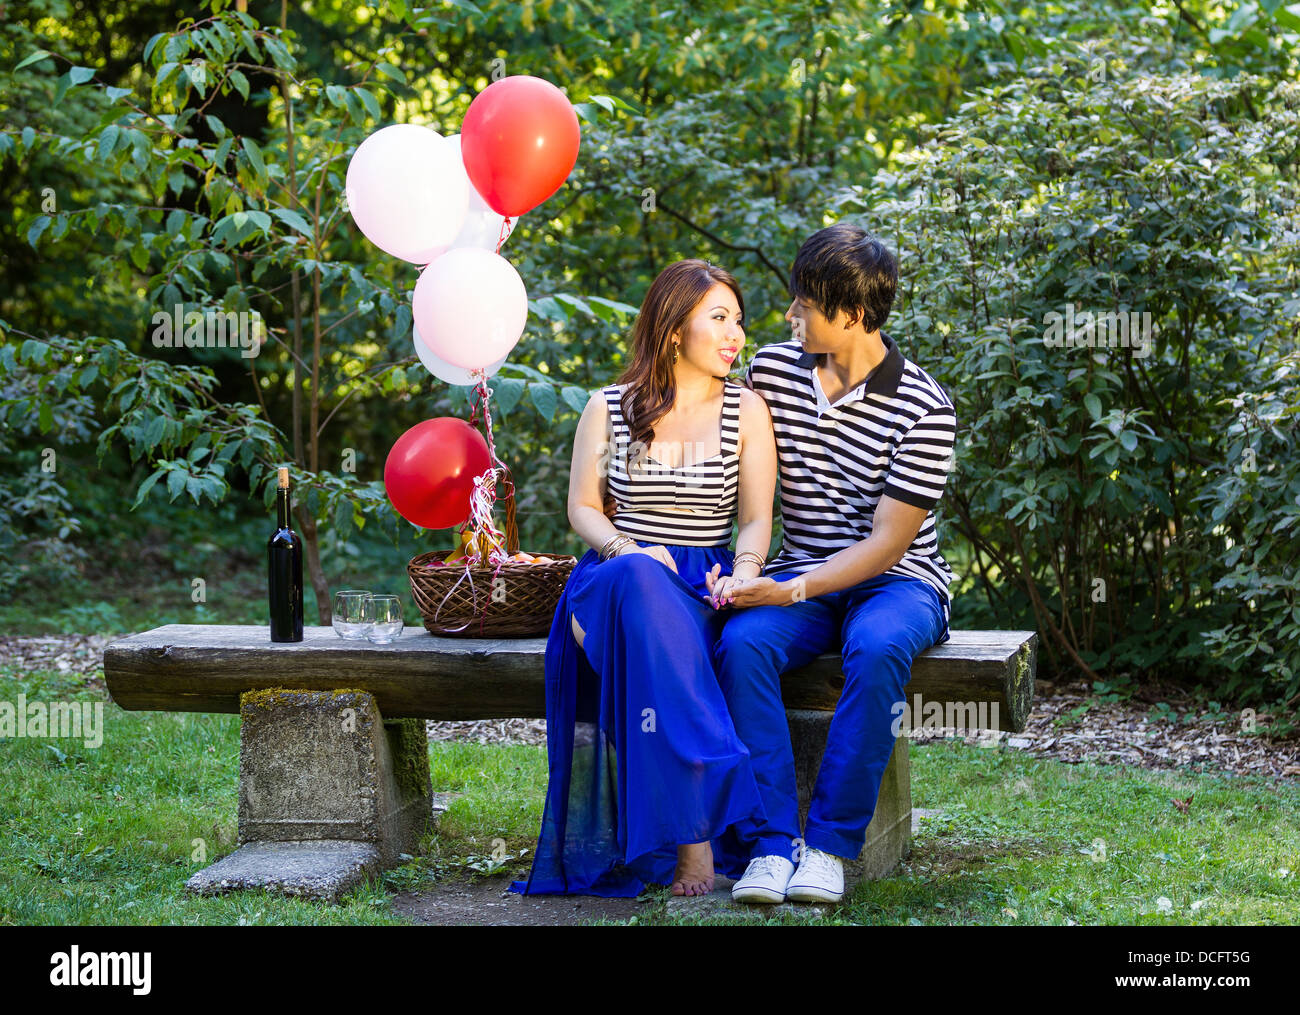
(461, 551)
(477, 545)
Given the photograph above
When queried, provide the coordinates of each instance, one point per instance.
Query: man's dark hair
(843, 267)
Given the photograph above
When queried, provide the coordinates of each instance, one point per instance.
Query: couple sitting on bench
(669, 751)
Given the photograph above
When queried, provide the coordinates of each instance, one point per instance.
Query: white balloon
(482, 225)
(445, 371)
(470, 306)
(407, 191)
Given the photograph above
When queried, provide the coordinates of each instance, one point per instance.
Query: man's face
(809, 326)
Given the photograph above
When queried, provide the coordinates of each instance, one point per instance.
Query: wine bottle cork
(284, 478)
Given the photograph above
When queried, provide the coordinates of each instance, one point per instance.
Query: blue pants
(882, 624)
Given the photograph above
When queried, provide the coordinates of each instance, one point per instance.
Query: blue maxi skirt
(642, 751)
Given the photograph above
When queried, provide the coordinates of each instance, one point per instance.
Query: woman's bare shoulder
(752, 407)
(596, 410)
(755, 419)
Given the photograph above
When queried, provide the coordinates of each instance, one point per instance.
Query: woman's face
(714, 333)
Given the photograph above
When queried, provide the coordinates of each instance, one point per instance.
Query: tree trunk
(306, 520)
(311, 548)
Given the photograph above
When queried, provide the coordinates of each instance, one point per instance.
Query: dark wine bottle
(284, 570)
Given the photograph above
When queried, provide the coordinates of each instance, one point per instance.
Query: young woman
(646, 773)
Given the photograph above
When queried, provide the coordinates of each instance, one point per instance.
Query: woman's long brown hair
(651, 388)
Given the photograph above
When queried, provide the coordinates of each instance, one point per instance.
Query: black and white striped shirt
(892, 434)
(693, 505)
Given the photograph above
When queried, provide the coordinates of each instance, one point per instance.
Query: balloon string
(505, 231)
(484, 397)
(488, 542)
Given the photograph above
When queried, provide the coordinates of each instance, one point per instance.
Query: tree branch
(713, 237)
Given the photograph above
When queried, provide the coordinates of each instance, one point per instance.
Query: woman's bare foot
(694, 873)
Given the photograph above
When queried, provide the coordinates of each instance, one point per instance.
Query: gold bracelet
(748, 555)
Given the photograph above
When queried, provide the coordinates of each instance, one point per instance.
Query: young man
(865, 440)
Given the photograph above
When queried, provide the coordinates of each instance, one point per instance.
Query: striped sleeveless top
(693, 505)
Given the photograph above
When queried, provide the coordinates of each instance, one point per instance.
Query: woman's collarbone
(702, 444)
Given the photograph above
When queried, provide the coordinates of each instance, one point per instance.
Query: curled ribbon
(488, 542)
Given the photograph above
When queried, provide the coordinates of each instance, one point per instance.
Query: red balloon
(429, 474)
(519, 142)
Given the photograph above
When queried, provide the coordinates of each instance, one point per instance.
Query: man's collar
(883, 380)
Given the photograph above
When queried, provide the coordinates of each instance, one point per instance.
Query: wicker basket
(532, 592)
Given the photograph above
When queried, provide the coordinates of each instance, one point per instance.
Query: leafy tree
(1020, 157)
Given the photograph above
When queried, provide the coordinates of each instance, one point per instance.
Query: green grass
(110, 834)
(1028, 841)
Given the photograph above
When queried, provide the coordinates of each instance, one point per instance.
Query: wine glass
(384, 618)
(350, 613)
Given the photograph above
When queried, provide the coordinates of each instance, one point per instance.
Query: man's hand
(745, 592)
(721, 586)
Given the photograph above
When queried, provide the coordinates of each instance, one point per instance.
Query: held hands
(719, 586)
(743, 592)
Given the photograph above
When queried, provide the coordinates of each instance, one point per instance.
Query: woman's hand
(655, 550)
(719, 585)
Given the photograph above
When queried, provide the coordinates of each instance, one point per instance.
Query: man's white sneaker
(764, 880)
(820, 878)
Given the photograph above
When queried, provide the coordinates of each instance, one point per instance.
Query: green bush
(1099, 492)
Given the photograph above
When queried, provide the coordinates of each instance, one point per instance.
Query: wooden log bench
(334, 775)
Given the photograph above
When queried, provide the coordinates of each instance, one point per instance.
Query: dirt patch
(1072, 725)
(486, 902)
(940, 859)
(78, 654)
(489, 731)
